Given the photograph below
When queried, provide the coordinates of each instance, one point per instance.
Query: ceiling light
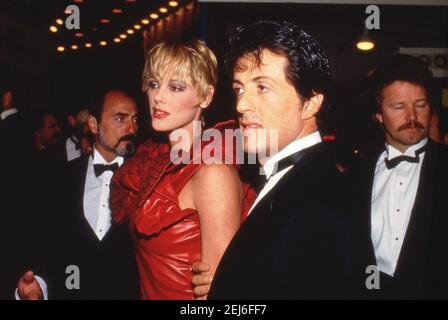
(154, 16)
(173, 3)
(365, 42)
(53, 29)
(365, 45)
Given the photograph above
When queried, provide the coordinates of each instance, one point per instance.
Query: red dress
(144, 193)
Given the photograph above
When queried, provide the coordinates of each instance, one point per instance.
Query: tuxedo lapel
(367, 202)
(300, 160)
(82, 186)
(412, 257)
(77, 181)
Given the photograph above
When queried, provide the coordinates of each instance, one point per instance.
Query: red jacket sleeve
(126, 182)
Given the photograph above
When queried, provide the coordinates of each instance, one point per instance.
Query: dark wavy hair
(96, 101)
(308, 68)
(399, 67)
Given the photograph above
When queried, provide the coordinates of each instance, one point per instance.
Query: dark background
(57, 81)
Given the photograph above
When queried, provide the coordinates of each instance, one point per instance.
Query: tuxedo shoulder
(75, 168)
(320, 191)
(442, 149)
(76, 163)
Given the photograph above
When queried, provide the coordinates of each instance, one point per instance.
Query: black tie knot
(288, 161)
(101, 168)
(392, 163)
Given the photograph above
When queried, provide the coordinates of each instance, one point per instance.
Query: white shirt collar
(290, 149)
(7, 113)
(392, 152)
(98, 158)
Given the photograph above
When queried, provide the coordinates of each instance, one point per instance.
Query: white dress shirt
(270, 166)
(393, 197)
(70, 148)
(96, 195)
(7, 113)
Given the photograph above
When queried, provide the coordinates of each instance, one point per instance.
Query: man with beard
(403, 201)
(89, 258)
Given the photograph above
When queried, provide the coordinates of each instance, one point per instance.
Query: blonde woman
(178, 213)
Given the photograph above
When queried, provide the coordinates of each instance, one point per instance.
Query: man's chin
(126, 148)
(414, 139)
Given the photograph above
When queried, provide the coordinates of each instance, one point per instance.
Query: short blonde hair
(191, 60)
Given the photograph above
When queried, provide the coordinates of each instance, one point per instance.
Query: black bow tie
(101, 168)
(392, 163)
(288, 161)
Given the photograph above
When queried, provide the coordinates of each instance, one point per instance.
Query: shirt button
(396, 239)
(398, 210)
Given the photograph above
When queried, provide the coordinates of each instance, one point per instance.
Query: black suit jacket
(107, 268)
(423, 261)
(298, 241)
(18, 203)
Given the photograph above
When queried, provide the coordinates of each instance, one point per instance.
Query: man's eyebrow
(263, 78)
(123, 114)
(258, 78)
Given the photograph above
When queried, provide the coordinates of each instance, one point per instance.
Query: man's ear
(379, 117)
(93, 124)
(312, 106)
(208, 99)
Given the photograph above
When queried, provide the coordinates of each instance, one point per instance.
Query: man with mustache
(79, 231)
(404, 187)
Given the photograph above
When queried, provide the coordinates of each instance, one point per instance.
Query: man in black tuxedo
(403, 197)
(16, 143)
(297, 242)
(69, 147)
(16, 137)
(81, 234)
(9, 114)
